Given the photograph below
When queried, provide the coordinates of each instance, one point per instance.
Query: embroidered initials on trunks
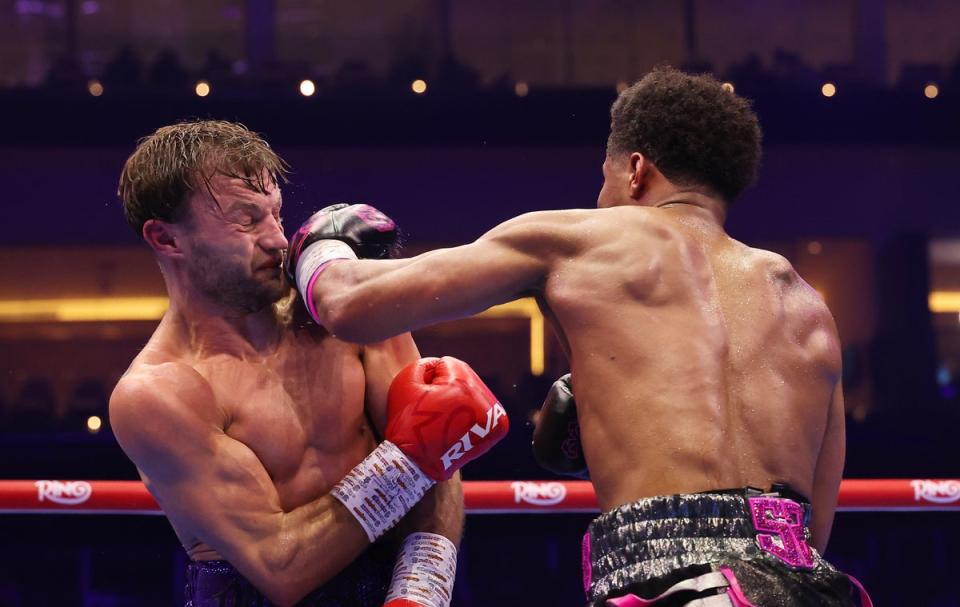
(779, 522)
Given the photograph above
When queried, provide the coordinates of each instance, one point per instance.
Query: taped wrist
(313, 260)
(381, 489)
(425, 571)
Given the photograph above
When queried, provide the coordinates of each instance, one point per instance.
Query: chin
(269, 294)
(255, 297)
(280, 293)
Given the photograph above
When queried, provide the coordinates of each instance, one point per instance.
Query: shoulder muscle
(160, 414)
(542, 233)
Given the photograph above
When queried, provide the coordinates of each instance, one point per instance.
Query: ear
(162, 238)
(639, 175)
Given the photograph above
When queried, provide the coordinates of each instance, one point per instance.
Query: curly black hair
(695, 131)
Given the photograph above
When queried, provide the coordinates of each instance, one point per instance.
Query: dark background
(858, 190)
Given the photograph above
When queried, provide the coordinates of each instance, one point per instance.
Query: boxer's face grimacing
(235, 243)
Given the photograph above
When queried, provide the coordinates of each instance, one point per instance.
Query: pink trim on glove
(308, 296)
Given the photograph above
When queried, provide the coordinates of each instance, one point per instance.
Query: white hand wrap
(313, 259)
(381, 489)
(425, 570)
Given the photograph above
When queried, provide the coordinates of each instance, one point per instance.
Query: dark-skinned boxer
(706, 373)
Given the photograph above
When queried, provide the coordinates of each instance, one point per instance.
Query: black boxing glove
(556, 439)
(339, 231)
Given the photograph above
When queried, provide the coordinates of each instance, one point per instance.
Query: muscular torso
(300, 410)
(698, 363)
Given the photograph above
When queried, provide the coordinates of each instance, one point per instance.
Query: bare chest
(303, 417)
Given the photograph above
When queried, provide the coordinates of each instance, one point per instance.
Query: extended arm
(829, 471)
(217, 490)
(370, 300)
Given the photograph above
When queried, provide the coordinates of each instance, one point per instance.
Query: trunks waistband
(656, 536)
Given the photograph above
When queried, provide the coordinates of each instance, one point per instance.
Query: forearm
(449, 517)
(820, 529)
(367, 301)
(433, 529)
(824, 502)
(441, 511)
(300, 550)
(342, 306)
(829, 471)
(379, 491)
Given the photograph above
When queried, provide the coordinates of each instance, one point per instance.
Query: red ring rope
(481, 497)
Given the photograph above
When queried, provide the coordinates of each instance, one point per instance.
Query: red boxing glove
(441, 415)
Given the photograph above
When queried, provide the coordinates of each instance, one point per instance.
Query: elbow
(281, 589)
(282, 597)
(280, 582)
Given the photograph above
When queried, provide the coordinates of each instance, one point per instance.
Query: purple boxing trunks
(738, 547)
(363, 583)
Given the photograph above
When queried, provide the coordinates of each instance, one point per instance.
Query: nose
(273, 238)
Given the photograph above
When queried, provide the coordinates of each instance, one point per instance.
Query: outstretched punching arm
(366, 301)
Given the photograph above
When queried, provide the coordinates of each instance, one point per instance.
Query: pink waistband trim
(586, 564)
(865, 600)
(734, 592)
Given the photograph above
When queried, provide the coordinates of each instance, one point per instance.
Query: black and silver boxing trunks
(739, 547)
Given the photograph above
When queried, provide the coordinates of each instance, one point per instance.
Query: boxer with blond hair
(281, 455)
